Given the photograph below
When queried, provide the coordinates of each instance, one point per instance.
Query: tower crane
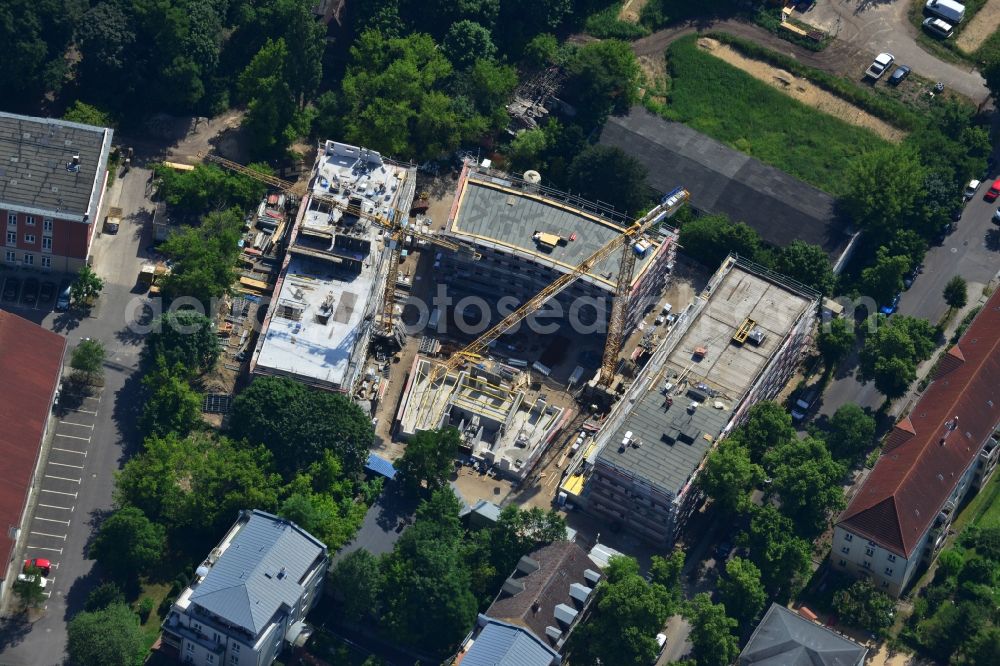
(393, 224)
(669, 204)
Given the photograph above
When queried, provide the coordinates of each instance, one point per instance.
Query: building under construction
(326, 303)
(503, 422)
(738, 343)
(526, 236)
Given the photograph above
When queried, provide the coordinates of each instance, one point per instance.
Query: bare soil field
(654, 69)
(983, 24)
(631, 10)
(803, 90)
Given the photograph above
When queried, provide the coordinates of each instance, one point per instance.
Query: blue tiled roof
(380, 465)
(258, 572)
(502, 644)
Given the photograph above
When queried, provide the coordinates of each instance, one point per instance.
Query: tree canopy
(782, 556)
(768, 424)
(297, 424)
(321, 501)
(807, 480)
(208, 188)
(742, 592)
(204, 259)
(891, 353)
(171, 405)
(429, 459)
(107, 637)
(850, 433)
(730, 476)
(865, 607)
(956, 293)
(710, 238)
(835, 340)
(604, 79)
(884, 189)
(712, 632)
(808, 264)
(88, 358)
(184, 337)
(607, 174)
(128, 544)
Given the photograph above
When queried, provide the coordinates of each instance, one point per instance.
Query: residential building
(932, 461)
(496, 643)
(31, 360)
(737, 344)
(785, 638)
(320, 321)
(52, 182)
(250, 596)
(780, 207)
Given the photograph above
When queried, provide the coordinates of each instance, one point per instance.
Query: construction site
(736, 344)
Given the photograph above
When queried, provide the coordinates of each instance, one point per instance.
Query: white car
(970, 189)
(26, 577)
(882, 63)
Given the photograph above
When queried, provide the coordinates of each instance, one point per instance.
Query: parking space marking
(62, 478)
(58, 492)
(66, 465)
(52, 520)
(82, 411)
(85, 439)
(53, 506)
(81, 425)
(54, 550)
(46, 534)
(89, 397)
(56, 448)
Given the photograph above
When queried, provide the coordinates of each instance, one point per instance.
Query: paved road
(884, 26)
(88, 440)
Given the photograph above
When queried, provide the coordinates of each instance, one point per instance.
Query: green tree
(782, 557)
(628, 608)
(808, 264)
(607, 174)
(80, 112)
(956, 293)
(741, 592)
(667, 572)
(128, 544)
(29, 590)
(357, 583)
(37, 34)
(891, 354)
(467, 42)
(204, 259)
(729, 476)
(264, 85)
(710, 238)
(884, 279)
(541, 51)
(104, 595)
(767, 425)
(108, 637)
(527, 147)
(86, 287)
(712, 632)
(171, 406)
(884, 190)
(808, 481)
(850, 433)
(298, 424)
(835, 341)
(983, 649)
(863, 606)
(322, 501)
(603, 79)
(88, 359)
(208, 188)
(185, 337)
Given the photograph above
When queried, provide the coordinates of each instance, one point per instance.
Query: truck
(882, 63)
(113, 221)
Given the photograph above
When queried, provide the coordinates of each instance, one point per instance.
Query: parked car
(882, 62)
(970, 189)
(659, 320)
(62, 303)
(26, 577)
(996, 216)
(938, 27)
(804, 404)
(47, 292)
(30, 295)
(891, 307)
(11, 289)
(901, 73)
(949, 10)
(43, 565)
(993, 192)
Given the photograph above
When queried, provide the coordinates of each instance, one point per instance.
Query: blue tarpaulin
(381, 466)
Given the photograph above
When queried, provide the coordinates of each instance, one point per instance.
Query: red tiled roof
(30, 366)
(927, 453)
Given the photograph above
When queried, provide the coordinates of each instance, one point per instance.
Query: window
(47, 224)
(30, 221)
(236, 647)
(46, 262)
(234, 658)
(845, 550)
(11, 237)
(11, 219)
(29, 238)
(190, 647)
(29, 260)
(888, 571)
(210, 658)
(848, 537)
(11, 256)
(891, 558)
(47, 243)
(843, 562)
(869, 551)
(885, 583)
(866, 564)
(188, 659)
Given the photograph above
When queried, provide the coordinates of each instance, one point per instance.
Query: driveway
(875, 26)
(89, 439)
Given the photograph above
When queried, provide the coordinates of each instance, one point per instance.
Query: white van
(951, 11)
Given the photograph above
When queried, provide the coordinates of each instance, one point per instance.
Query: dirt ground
(654, 69)
(983, 24)
(803, 90)
(631, 9)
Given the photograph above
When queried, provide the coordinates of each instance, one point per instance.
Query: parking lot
(32, 291)
(60, 482)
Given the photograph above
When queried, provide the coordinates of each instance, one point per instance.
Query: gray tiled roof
(34, 153)
(259, 572)
(780, 207)
(783, 638)
(502, 644)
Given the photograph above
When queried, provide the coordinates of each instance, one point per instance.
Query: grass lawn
(733, 107)
(151, 627)
(984, 509)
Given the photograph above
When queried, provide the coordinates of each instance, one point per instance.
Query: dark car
(62, 302)
(11, 289)
(30, 295)
(891, 307)
(897, 77)
(47, 292)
